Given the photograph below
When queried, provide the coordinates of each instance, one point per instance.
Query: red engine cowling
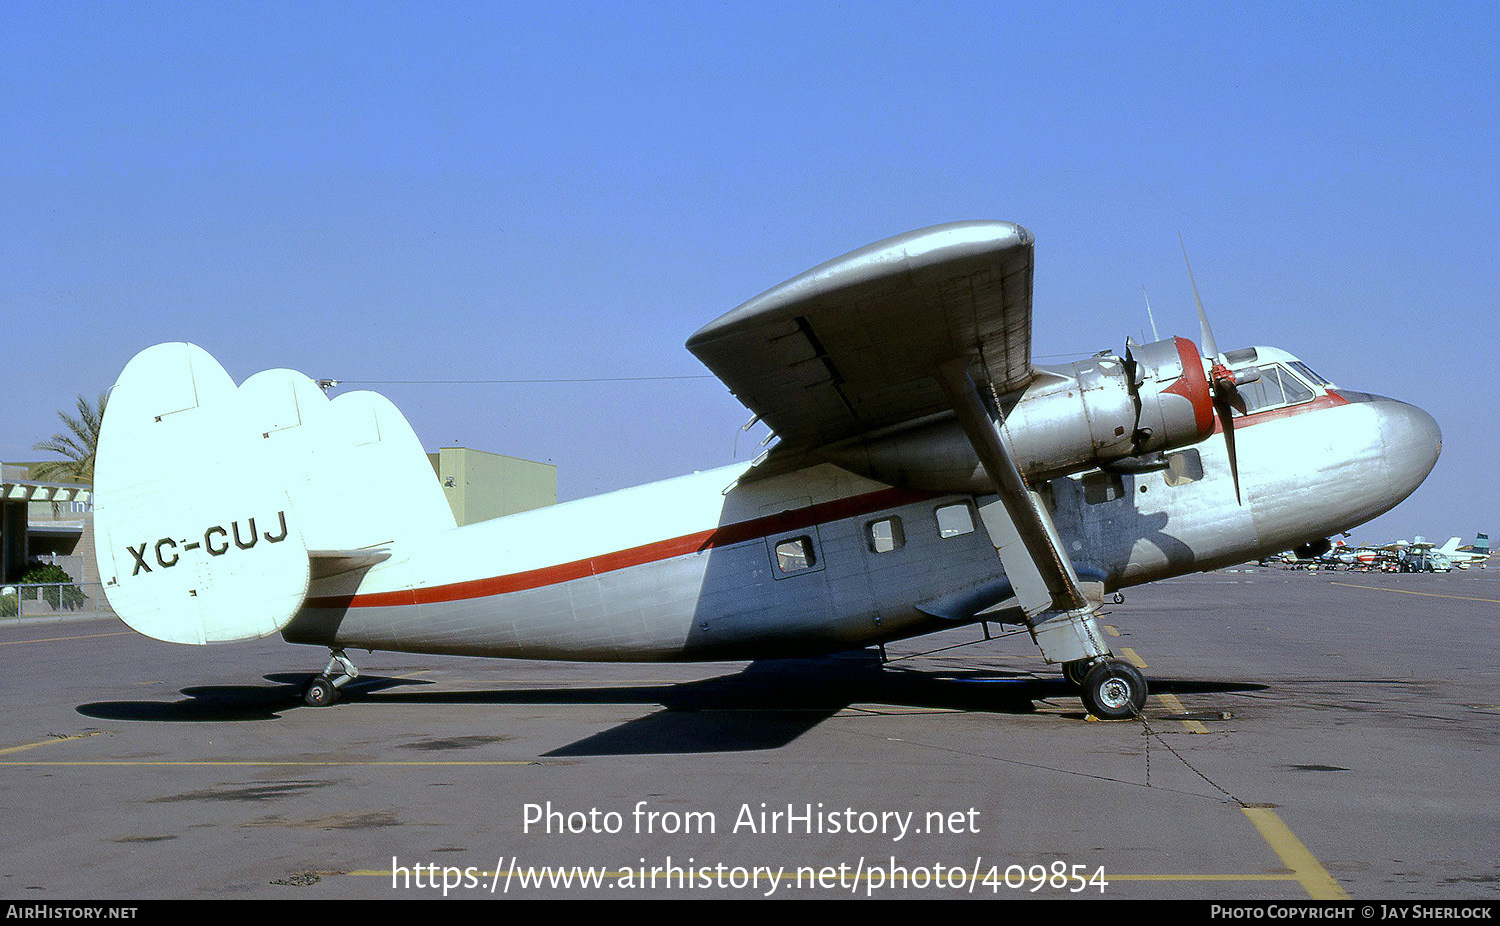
(1176, 400)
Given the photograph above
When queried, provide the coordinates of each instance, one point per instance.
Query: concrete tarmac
(1309, 736)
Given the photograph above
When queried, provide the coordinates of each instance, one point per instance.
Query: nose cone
(1412, 442)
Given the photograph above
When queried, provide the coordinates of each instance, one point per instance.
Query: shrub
(57, 587)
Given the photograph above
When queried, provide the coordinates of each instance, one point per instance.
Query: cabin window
(795, 554)
(1183, 467)
(953, 520)
(885, 535)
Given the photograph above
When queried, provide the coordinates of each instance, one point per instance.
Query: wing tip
(917, 249)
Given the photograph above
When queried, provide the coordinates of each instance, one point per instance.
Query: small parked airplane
(1465, 556)
(927, 475)
(1341, 554)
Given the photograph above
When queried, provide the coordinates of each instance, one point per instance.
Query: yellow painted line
(46, 742)
(621, 872)
(1170, 700)
(135, 763)
(91, 636)
(1114, 877)
(1403, 591)
(1305, 867)
(1111, 630)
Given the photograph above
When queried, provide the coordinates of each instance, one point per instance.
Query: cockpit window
(1309, 375)
(1275, 388)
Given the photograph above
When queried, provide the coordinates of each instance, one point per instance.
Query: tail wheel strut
(323, 690)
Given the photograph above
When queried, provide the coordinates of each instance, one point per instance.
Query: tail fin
(216, 505)
(1481, 543)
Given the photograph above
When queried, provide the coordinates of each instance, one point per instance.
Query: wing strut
(1059, 613)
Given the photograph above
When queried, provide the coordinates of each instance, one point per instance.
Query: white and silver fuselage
(820, 559)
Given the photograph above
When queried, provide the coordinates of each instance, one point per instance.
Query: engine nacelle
(1067, 420)
(1175, 399)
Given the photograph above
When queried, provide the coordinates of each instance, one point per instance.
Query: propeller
(1223, 382)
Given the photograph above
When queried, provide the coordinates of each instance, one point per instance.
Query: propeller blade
(1237, 402)
(1222, 406)
(1227, 399)
(1155, 335)
(1225, 384)
(1210, 346)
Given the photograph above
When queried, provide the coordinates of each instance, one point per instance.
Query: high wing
(919, 324)
(854, 344)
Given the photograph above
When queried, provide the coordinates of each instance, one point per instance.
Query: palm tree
(77, 447)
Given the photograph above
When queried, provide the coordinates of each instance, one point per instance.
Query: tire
(319, 692)
(1076, 671)
(1114, 690)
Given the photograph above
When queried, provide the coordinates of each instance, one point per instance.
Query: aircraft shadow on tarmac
(766, 705)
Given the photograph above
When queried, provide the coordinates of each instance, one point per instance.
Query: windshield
(1276, 387)
(1309, 375)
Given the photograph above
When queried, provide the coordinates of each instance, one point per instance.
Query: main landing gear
(323, 690)
(1111, 689)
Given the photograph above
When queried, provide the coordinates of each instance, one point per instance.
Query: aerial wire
(514, 382)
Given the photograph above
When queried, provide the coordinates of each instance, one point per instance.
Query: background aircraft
(928, 474)
(1350, 557)
(1477, 553)
(1422, 555)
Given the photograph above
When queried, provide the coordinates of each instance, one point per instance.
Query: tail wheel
(1114, 690)
(319, 691)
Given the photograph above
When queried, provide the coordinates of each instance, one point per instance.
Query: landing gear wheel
(1074, 672)
(1114, 690)
(323, 690)
(319, 691)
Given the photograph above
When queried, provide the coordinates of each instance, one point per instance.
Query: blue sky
(385, 191)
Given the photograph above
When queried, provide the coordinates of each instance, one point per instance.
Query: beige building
(481, 485)
(42, 520)
(54, 522)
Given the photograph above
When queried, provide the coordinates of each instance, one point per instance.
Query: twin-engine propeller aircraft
(927, 475)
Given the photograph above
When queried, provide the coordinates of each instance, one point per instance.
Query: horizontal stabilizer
(326, 563)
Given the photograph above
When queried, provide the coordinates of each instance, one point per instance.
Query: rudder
(212, 500)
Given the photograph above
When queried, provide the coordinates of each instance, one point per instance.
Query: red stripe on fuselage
(1328, 400)
(758, 528)
(726, 535)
